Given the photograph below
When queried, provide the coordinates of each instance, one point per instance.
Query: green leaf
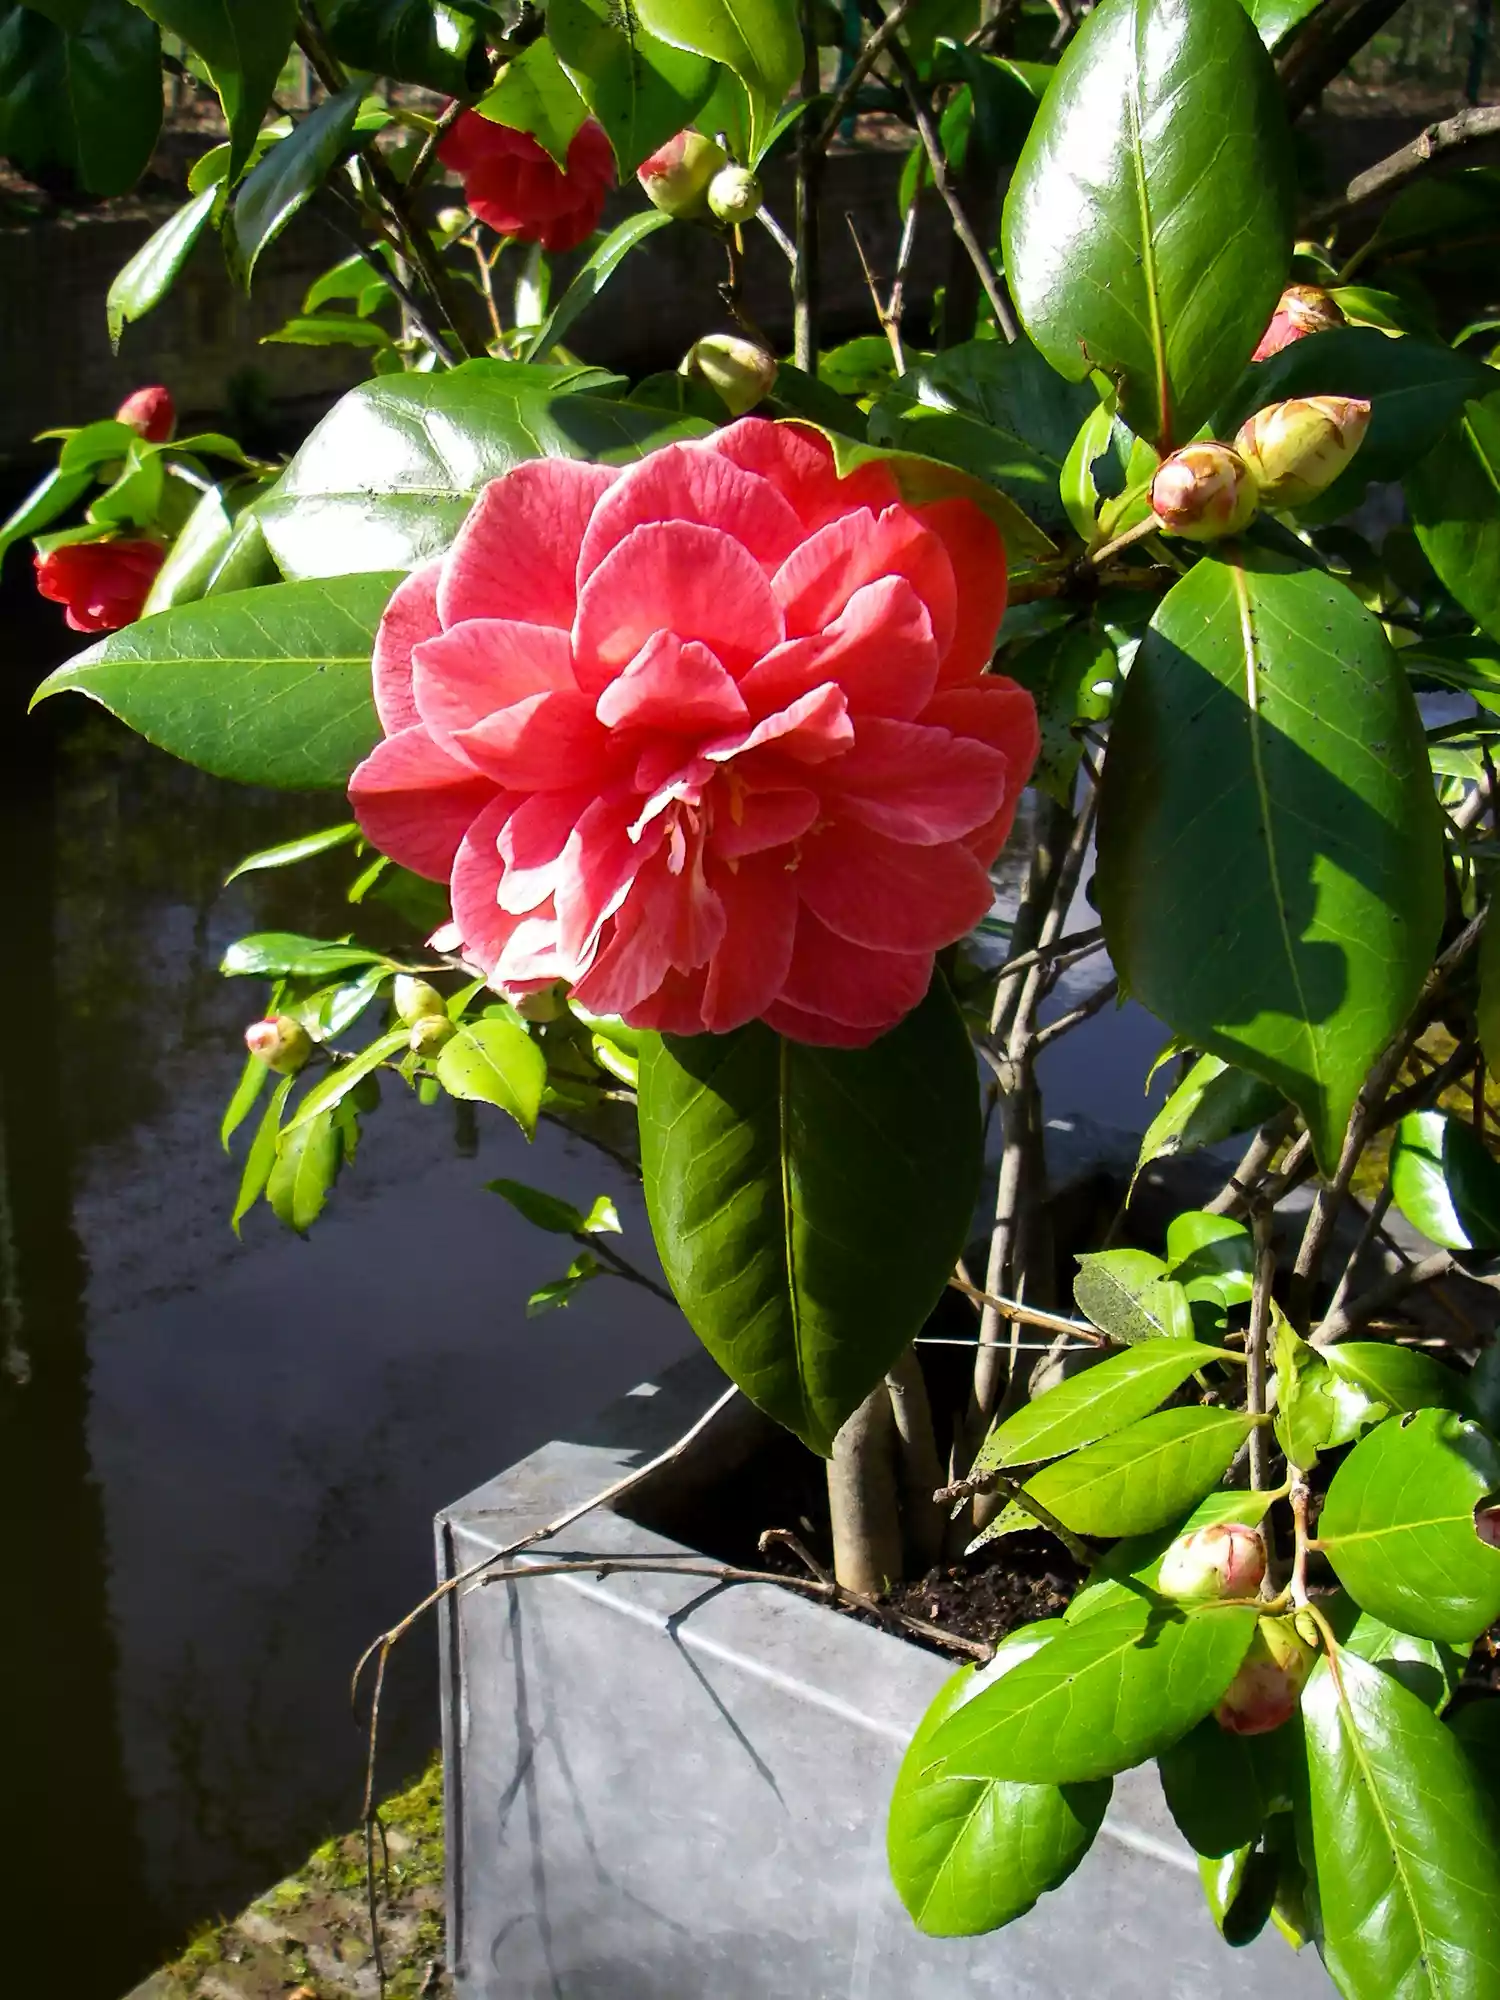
(1270, 854)
(200, 550)
(289, 176)
(809, 1204)
(1408, 1877)
(641, 90)
(561, 1218)
(134, 499)
(1305, 1413)
(289, 852)
(270, 687)
(328, 330)
(591, 280)
(562, 1290)
(243, 44)
(970, 1854)
(1107, 1693)
(1143, 1476)
(1212, 1103)
(1398, 1525)
(535, 94)
(387, 478)
(151, 273)
(331, 1009)
(1120, 1574)
(429, 42)
(495, 1062)
(308, 1157)
(1395, 1377)
(1476, 1729)
(1275, 18)
(1089, 1406)
(49, 498)
(1426, 1667)
(85, 96)
(1487, 1007)
(1128, 1295)
(1454, 497)
(252, 1081)
(920, 480)
(261, 1157)
(1071, 677)
(1221, 1788)
(283, 954)
(1239, 1890)
(96, 444)
(1211, 1257)
(1116, 245)
(331, 1089)
(1445, 1181)
(759, 40)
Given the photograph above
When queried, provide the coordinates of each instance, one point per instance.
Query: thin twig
(421, 166)
(777, 235)
(1099, 998)
(864, 62)
(1257, 1344)
(1466, 128)
(1372, 1228)
(1239, 1190)
(840, 1593)
(806, 272)
(895, 304)
(1065, 951)
(962, 1490)
(1378, 1297)
(370, 1817)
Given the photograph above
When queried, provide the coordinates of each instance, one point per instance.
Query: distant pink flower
(514, 184)
(709, 738)
(149, 411)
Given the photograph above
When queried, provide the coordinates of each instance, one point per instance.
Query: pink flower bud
(734, 195)
(281, 1043)
(1227, 1560)
(1301, 310)
(676, 177)
(428, 1034)
(739, 372)
(1298, 448)
(1204, 491)
(1487, 1525)
(415, 999)
(1265, 1691)
(149, 411)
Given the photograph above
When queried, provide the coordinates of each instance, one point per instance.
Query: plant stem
(1256, 1346)
(1378, 1297)
(862, 1497)
(1316, 53)
(807, 272)
(864, 62)
(1467, 128)
(921, 1469)
(1238, 1192)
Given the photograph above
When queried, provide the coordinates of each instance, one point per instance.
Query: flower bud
(1227, 1560)
(1298, 448)
(676, 177)
(735, 195)
(428, 1034)
(1204, 491)
(739, 372)
(281, 1043)
(415, 999)
(544, 1005)
(1301, 310)
(149, 411)
(1487, 1525)
(1265, 1691)
(451, 222)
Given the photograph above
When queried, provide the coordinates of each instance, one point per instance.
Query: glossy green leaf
(288, 852)
(1211, 1257)
(551, 1212)
(1211, 1104)
(759, 40)
(411, 41)
(151, 273)
(261, 1158)
(308, 1157)
(1117, 248)
(591, 280)
(328, 1012)
(1445, 1181)
(561, 1291)
(536, 95)
(1275, 18)
(1454, 498)
(1398, 1525)
(1091, 1405)
(1426, 1667)
(1144, 1476)
(495, 1062)
(1408, 1875)
(1221, 1788)
(200, 550)
(253, 1079)
(970, 1854)
(49, 498)
(1107, 1693)
(86, 98)
(1117, 1578)
(809, 1204)
(332, 1088)
(244, 44)
(1396, 1377)
(283, 954)
(641, 90)
(328, 330)
(270, 687)
(1239, 1889)
(1270, 854)
(1305, 1411)
(289, 176)
(386, 479)
(1128, 1295)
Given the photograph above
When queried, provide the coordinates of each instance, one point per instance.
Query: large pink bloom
(710, 738)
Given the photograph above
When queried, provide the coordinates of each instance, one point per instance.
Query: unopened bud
(735, 195)
(149, 411)
(544, 1005)
(1227, 1560)
(281, 1043)
(676, 178)
(428, 1034)
(739, 372)
(1297, 449)
(1301, 310)
(1487, 1525)
(1204, 491)
(1265, 1691)
(452, 221)
(415, 999)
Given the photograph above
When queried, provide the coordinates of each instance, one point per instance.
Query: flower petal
(672, 686)
(517, 553)
(532, 844)
(667, 921)
(676, 1007)
(977, 555)
(544, 743)
(880, 650)
(799, 463)
(915, 783)
(999, 713)
(673, 576)
(810, 730)
(599, 865)
(684, 482)
(746, 972)
(415, 802)
(485, 664)
(482, 925)
(752, 821)
(820, 1030)
(817, 580)
(410, 617)
(888, 895)
(839, 981)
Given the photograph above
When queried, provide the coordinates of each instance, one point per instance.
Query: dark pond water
(219, 1460)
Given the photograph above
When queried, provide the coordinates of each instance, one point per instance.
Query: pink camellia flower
(149, 411)
(515, 185)
(709, 738)
(102, 584)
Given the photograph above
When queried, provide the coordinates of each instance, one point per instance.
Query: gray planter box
(661, 1789)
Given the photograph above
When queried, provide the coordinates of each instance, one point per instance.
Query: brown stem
(862, 1497)
(921, 1469)
(1372, 1228)
(1378, 1297)
(1065, 1024)
(806, 272)
(864, 62)
(1235, 1197)
(1257, 1346)
(1467, 128)
(1332, 34)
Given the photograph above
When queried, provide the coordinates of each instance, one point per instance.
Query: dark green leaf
(253, 1079)
(328, 330)
(759, 40)
(809, 1204)
(283, 954)
(550, 1212)
(200, 550)
(412, 41)
(1454, 496)
(536, 95)
(1071, 677)
(1143, 1476)
(86, 98)
(1428, 1668)
(495, 1062)
(244, 44)
(1398, 1525)
(641, 90)
(591, 280)
(308, 1157)
(1118, 247)
(1109, 1692)
(1445, 1182)
(289, 176)
(261, 1157)
(561, 1291)
(49, 498)
(151, 273)
(1089, 1406)
(1270, 857)
(1222, 1788)
(1239, 1889)
(271, 687)
(1476, 1729)
(1408, 1876)
(1211, 1104)
(1128, 1295)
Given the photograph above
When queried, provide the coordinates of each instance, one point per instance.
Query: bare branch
(1432, 143)
(1344, 1320)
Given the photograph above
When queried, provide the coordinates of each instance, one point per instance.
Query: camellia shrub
(683, 722)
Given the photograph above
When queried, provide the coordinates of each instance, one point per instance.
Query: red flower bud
(415, 999)
(1204, 491)
(281, 1043)
(1298, 448)
(102, 584)
(1265, 1691)
(1227, 1560)
(739, 372)
(1301, 310)
(149, 411)
(734, 195)
(515, 185)
(676, 178)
